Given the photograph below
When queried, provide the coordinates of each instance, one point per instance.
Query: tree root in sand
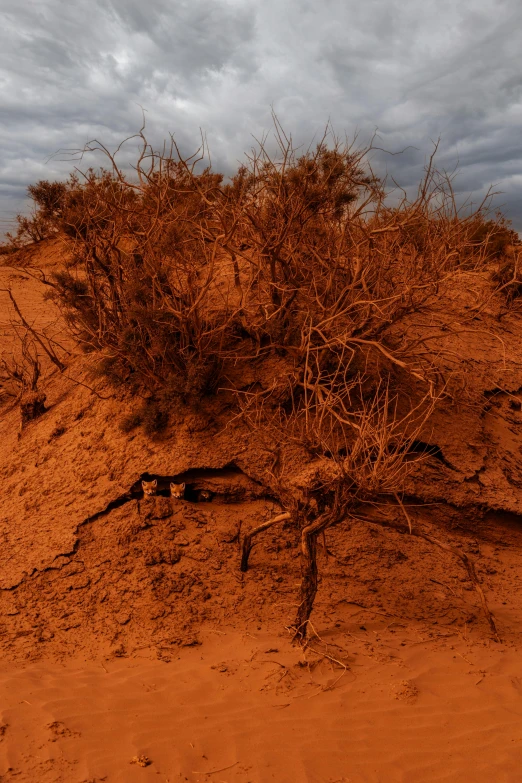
(248, 539)
(470, 568)
(309, 564)
(309, 574)
(309, 579)
(325, 655)
(468, 564)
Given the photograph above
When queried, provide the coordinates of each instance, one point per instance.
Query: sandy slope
(132, 632)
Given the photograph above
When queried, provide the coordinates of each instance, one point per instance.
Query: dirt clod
(141, 761)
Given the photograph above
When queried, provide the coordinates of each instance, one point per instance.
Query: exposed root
(468, 564)
(309, 571)
(309, 578)
(403, 509)
(247, 541)
(470, 568)
(327, 656)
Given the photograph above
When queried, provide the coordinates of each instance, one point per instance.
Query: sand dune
(132, 636)
(249, 708)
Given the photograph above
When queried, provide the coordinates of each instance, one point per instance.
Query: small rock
(156, 507)
(141, 761)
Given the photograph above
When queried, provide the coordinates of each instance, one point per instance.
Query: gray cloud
(416, 71)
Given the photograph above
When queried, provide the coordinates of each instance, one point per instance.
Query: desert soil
(133, 649)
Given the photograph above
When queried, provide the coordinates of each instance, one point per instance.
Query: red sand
(249, 707)
(425, 695)
(131, 633)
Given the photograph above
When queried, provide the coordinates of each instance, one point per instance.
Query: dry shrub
(32, 405)
(7, 250)
(21, 367)
(508, 274)
(48, 199)
(131, 421)
(178, 278)
(20, 374)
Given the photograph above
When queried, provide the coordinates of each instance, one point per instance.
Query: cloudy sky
(71, 70)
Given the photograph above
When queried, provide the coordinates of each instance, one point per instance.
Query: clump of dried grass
(20, 373)
(177, 276)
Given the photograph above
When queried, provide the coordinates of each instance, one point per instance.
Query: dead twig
(215, 771)
(50, 353)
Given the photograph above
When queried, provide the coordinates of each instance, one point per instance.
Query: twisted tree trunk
(309, 574)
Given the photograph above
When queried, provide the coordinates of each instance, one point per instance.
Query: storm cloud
(414, 71)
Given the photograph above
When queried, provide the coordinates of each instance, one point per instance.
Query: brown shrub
(32, 405)
(178, 279)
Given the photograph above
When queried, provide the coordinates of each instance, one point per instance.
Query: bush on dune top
(178, 278)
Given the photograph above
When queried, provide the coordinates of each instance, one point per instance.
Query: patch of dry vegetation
(19, 377)
(178, 280)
